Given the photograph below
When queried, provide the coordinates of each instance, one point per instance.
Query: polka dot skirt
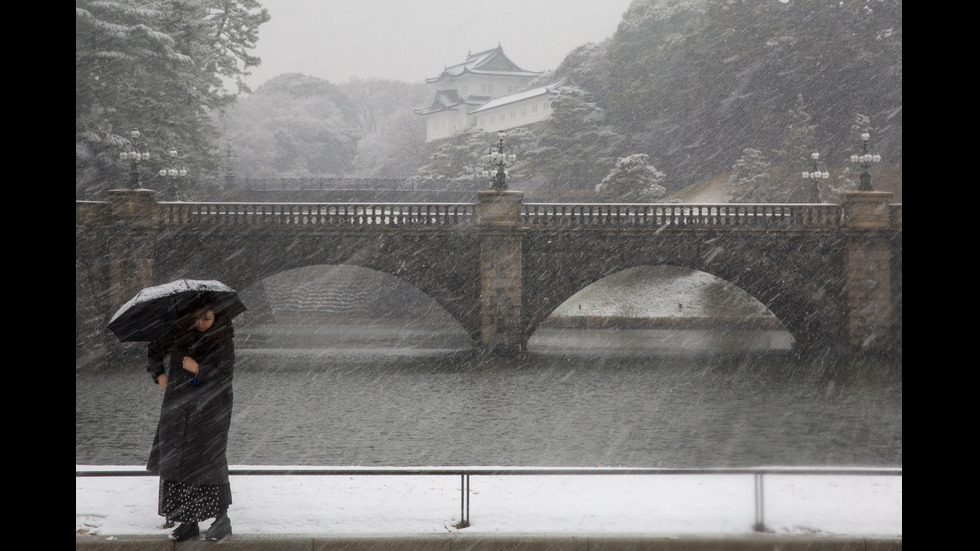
(192, 503)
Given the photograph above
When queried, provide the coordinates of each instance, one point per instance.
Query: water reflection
(377, 406)
(658, 341)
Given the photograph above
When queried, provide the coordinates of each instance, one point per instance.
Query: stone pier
(501, 271)
(869, 270)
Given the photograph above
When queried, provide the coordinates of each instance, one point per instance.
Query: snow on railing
(466, 472)
(677, 214)
(355, 214)
(532, 214)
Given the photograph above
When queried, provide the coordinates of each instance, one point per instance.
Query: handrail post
(760, 525)
(464, 500)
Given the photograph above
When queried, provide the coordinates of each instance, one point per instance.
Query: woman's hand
(162, 381)
(190, 365)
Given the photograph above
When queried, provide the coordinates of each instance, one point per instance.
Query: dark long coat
(192, 436)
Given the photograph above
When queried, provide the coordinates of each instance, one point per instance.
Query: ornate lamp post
(172, 173)
(865, 159)
(499, 157)
(138, 151)
(819, 172)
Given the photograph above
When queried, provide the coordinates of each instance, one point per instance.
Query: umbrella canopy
(154, 309)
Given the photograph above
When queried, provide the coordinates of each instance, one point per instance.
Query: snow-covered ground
(709, 504)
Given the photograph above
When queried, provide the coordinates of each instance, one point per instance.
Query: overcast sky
(411, 40)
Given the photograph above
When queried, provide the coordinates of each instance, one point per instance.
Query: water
(556, 406)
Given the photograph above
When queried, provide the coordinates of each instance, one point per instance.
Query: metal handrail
(466, 472)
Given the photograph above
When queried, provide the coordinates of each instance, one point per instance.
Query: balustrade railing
(337, 214)
(532, 214)
(670, 214)
(624, 215)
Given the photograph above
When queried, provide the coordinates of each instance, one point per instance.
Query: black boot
(169, 523)
(185, 531)
(220, 528)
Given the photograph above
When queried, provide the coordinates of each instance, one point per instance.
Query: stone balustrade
(748, 215)
(670, 214)
(359, 214)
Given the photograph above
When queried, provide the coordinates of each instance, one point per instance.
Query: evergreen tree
(459, 157)
(693, 82)
(632, 180)
(755, 180)
(464, 154)
(159, 66)
(573, 150)
(801, 138)
(749, 174)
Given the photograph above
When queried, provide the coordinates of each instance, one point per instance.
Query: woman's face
(203, 320)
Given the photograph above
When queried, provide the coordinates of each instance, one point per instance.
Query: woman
(189, 448)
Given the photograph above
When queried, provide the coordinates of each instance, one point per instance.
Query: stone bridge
(831, 273)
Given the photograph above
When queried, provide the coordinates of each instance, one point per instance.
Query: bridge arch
(803, 291)
(666, 297)
(435, 263)
(310, 306)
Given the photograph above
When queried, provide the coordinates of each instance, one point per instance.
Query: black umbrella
(154, 309)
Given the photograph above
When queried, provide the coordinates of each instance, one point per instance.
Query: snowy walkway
(688, 504)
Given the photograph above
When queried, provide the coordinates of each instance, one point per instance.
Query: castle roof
(449, 99)
(520, 96)
(487, 62)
